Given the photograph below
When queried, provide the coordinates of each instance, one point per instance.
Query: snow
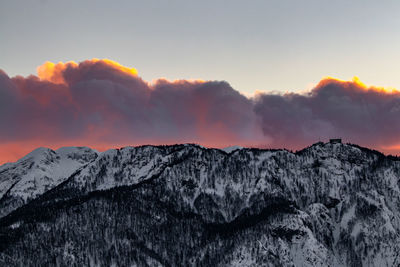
(42, 176)
(41, 170)
(37, 154)
(263, 175)
(347, 217)
(357, 228)
(15, 225)
(230, 149)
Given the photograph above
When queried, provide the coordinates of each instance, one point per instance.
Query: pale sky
(254, 45)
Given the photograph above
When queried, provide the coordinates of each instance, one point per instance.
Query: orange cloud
(55, 72)
(356, 82)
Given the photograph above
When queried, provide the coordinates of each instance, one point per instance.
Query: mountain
(38, 172)
(186, 205)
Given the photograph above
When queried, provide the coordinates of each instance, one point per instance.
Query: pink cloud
(101, 104)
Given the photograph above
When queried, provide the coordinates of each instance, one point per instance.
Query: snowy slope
(38, 172)
(327, 205)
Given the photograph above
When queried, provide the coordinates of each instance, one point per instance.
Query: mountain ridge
(327, 204)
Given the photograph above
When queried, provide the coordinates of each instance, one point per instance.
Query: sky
(254, 45)
(218, 73)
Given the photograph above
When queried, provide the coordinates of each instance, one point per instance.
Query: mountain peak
(39, 171)
(38, 154)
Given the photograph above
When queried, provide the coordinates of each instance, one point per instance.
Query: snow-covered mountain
(38, 172)
(186, 205)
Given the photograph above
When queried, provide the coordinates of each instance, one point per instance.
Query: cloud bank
(360, 114)
(101, 104)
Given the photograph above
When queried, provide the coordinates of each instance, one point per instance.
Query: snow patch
(230, 149)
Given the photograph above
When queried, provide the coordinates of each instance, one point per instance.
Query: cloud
(101, 104)
(349, 109)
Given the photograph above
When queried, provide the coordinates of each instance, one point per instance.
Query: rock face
(185, 205)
